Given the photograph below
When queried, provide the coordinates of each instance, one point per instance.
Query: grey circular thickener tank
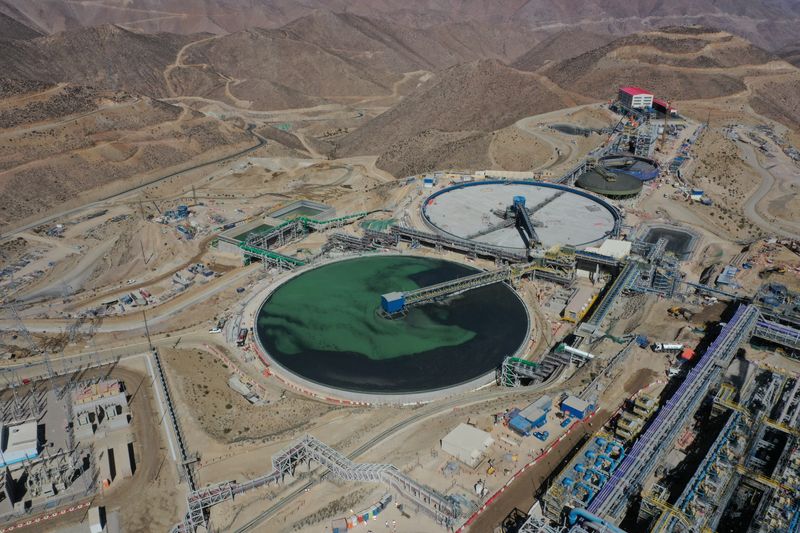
(561, 215)
(610, 184)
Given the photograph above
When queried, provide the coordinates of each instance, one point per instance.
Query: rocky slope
(454, 108)
(770, 24)
(676, 63)
(107, 57)
(62, 143)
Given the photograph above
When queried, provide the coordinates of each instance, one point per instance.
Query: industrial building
(663, 107)
(467, 444)
(576, 407)
(613, 248)
(635, 98)
(580, 301)
(20, 443)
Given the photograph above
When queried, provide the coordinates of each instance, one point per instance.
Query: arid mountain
(324, 57)
(565, 44)
(258, 60)
(313, 60)
(59, 142)
(790, 53)
(107, 57)
(770, 24)
(394, 47)
(477, 97)
(11, 28)
(677, 63)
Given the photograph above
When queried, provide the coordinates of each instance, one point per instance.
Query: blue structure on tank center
(393, 302)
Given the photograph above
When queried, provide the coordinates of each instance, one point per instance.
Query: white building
(467, 444)
(635, 98)
(20, 443)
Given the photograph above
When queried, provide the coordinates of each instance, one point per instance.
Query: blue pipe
(589, 517)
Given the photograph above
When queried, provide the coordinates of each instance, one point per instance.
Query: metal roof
(633, 91)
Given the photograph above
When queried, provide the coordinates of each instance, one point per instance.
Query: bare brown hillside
(482, 96)
(107, 57)
(770, 24)
(790, 53)
(60, 142)
(678, 63)
(563, 45)
(11, 29)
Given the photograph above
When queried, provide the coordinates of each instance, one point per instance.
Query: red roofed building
(635, 98)
(663, 106)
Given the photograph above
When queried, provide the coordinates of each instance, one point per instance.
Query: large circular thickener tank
(611, 184)
(639, 167)
(323, 326)
(561, 215)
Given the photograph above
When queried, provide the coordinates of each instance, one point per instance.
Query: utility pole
(147, 330)
(141, 245)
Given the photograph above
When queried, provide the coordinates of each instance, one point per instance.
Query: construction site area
(282, 341)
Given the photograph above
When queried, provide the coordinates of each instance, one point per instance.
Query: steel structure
(777, 333)
(308, 449)
(621, 283)
(186, 464)
(260, 245)
(508, 273)
(612, 499)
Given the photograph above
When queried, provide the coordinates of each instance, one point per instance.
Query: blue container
(519, 200)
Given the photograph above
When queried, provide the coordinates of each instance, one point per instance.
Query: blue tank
(567, 482)
(600, 441)
(580, 468)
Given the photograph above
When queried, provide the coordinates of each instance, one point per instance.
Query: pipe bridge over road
(442, 509)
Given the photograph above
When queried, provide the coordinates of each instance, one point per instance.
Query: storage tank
(611, 184)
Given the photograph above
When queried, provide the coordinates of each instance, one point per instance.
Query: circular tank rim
(597, 188)
(640, 175)
(580, 192)
(335, 394)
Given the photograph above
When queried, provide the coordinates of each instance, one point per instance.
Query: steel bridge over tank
(446, 289)
(611, 501)
(308, 449)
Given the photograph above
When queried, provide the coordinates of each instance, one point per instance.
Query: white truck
(667, 347)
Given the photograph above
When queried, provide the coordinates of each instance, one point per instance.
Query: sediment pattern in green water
(323, 325)
(333, 308)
